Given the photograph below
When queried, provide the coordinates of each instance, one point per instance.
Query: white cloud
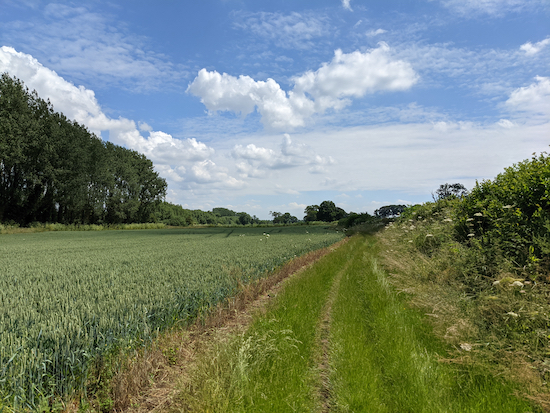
(253, 161)
(223, 92)
(533, 99)
(185, 161)
(376, 32)
(505, 123)
(91, 46)
(346, 5)
(490, 7)
(355, 75)
(292, 31)
(531, 49)
(347, 76)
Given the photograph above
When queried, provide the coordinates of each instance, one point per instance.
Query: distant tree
(244, 218)
(389, 211)
(285, 218)
(223, 212)
(355, 219)
(340, 213)
(311, 213)
(447, 191)
(329, 212)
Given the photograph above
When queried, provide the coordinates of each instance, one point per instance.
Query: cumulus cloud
(354, 75)
(179, 160)
(351, 75)
(534, 99)
(254, 160)
(531, 49)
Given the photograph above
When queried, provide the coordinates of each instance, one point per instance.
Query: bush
(510, 216)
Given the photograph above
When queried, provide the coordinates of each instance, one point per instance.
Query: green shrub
(510, 216)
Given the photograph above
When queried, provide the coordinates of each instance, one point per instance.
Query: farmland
(67, 297)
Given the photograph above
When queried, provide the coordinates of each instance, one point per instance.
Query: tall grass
(381, 355)
(43, 227)
(386, 359)
(475, 297)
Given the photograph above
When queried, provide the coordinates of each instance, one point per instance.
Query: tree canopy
(447, 191)
(53, 169)
(389, 211)
(327, 212)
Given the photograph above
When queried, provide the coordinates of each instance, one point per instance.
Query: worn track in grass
(149, 383)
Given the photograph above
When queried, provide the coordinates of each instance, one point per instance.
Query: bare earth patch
(151, 379)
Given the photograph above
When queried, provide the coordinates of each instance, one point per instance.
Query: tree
(244, 218)
(311, 213)
(223, 212)
(285, 218)
(389, 211)
(53, 169)
(329, 212)
(450, 191)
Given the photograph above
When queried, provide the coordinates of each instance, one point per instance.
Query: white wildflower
(471, 235)
(517, 284)
(512, 314)
(478, 214)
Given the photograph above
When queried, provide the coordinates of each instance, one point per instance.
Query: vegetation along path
(339, 338)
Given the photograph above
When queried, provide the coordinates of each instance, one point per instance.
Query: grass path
(337, 338)
(385, 358)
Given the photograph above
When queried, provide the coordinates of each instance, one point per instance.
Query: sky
(262, 106)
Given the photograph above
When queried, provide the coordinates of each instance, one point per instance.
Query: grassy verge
(488, 315)
(340, 338)
(384, 357)
(271, 367)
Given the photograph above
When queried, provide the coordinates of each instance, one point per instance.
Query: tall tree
(53, 169)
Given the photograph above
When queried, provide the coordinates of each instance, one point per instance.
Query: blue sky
(273, 105)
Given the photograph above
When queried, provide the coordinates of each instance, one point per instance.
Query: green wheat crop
(67, 297)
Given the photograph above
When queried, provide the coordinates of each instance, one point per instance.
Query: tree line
(53, 169)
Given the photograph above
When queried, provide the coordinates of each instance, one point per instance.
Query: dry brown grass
(151, 378)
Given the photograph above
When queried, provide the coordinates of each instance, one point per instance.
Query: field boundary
(149, 380)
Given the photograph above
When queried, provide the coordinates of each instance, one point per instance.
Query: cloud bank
(533, 99)
(332, 86)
